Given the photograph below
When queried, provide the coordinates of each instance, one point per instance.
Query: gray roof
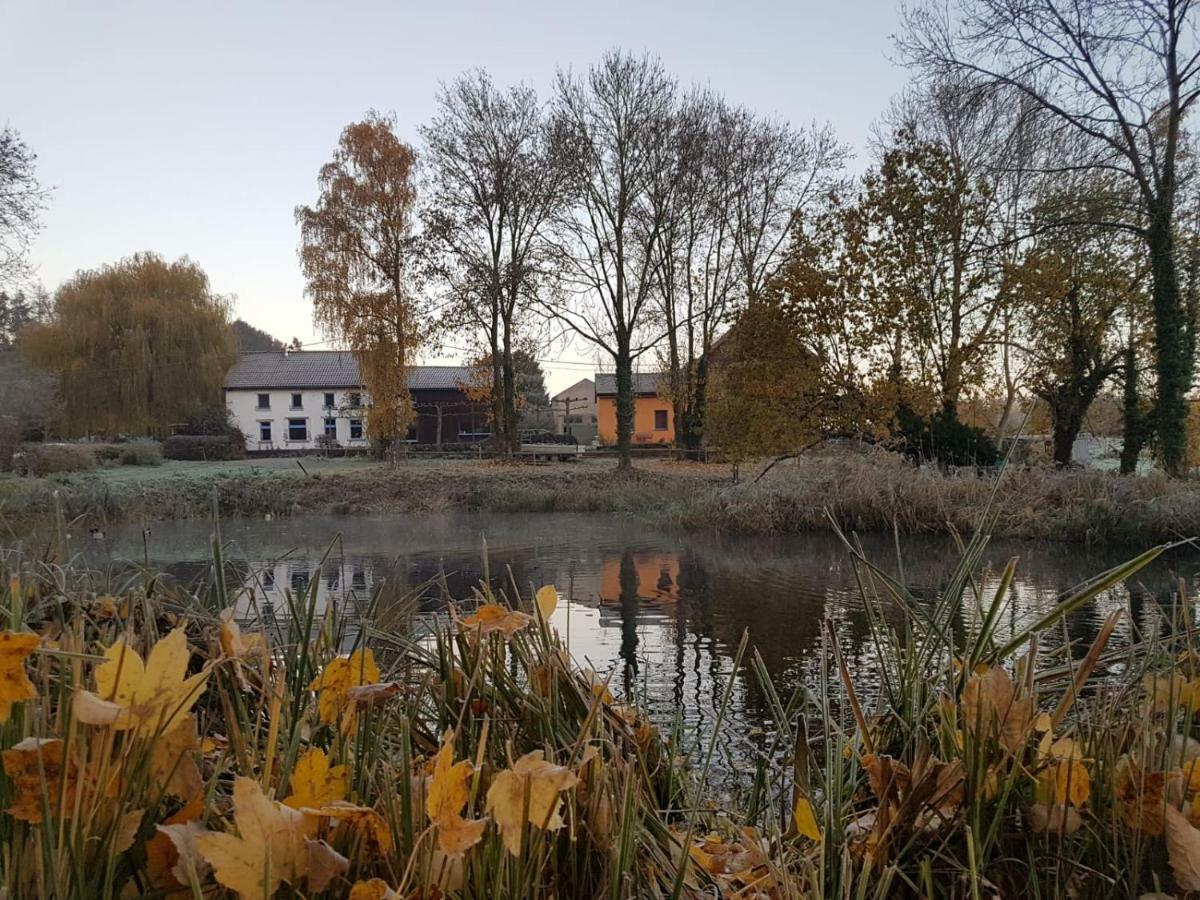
(314, 369)
(643, 383)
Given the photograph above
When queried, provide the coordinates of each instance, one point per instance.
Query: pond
(660, 609)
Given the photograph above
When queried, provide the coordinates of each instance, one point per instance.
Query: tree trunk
(1066, 430)
(511, 432)
(693, 425)
(499, 438)
(625, 406)
(1172, 362)
(1133, 424)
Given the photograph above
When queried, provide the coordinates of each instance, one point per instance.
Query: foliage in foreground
(154, 746)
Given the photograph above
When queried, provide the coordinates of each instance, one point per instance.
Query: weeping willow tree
(357, 250)
(138, 346)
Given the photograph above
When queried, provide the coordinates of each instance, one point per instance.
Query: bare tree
(609, 126)
(492, 191)
(731, 187)
(21, 200)
(779, 172)
(1119, 77)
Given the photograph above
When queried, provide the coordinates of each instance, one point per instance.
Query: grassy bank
(170, 743)
(867, 493)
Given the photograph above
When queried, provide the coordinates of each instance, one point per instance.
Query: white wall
(243, 408)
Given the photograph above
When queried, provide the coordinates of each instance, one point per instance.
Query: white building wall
(249, 416)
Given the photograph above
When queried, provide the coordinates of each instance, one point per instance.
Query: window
(331, 428)
(356, 429)
(300, 580)
(264, 401)
(355, 401)
(297, 429)
(297, 401)
(264, 432)
(660, 420)
(329, 401)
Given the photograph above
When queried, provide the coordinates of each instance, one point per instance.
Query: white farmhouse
(306, 399)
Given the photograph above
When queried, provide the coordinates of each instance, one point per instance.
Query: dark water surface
(662, 609)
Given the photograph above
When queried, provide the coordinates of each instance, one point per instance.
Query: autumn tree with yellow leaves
(360, 262)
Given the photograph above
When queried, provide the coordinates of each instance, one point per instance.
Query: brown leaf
(1183, 849)
(187, 856)
(370, 695)
(1056, 819)
(35, 768)
(324, 865)
(991, 709)
(1141, 796)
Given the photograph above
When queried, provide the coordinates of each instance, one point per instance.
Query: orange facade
(653, 420)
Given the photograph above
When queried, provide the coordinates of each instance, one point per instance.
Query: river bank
(871, 492)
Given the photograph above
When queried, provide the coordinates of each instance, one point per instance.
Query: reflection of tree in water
(628, 600)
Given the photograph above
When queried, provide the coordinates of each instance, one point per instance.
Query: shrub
(145, 452)
(10, 437)
(204, 446)
(944, 438)
(217, 421)
(48, 459)
(107, 453)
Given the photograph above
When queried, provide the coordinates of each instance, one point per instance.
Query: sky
(196, 128)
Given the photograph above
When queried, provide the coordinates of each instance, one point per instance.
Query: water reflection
(662, 610)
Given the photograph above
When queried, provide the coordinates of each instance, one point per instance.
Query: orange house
(653, 418)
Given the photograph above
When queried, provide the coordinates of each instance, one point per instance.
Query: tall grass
(875, 491)
(958, 770)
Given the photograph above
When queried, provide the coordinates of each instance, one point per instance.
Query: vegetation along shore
(872, 492)
(171, 742)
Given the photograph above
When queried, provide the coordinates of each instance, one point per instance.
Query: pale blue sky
(196, 128)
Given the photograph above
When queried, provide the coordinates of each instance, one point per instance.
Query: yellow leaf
(15, 686)
(172, 764)
(1183, 849)
(233, 642)
(155, 697)
(492, 617)
(337, 678)
(803, 820)
(533, 781)
(127, 828)
(448, 792)
(547, 601)
(367, 822)
(315, 782)
(375, 889)
(270, 846)
(1063, 781)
